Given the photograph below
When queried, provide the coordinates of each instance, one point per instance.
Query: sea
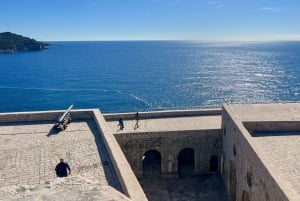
(130, 76)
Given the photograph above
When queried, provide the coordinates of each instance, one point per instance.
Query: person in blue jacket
(121, 123)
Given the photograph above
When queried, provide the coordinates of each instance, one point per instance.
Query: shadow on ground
(204, 188)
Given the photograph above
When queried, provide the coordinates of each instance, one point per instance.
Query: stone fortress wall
(246, 160)
(205, 143)
(252, 138)
(253, 166)
(243, 172)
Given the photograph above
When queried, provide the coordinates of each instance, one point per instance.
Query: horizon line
(174, 40)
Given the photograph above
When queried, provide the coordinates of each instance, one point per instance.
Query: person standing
(62, 168)
(121, 124)
(137, 121)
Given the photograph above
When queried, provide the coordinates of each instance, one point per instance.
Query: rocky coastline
(11, 43)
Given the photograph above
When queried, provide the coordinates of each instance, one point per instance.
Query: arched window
(186, 162)
(214, 163)
(151, 164)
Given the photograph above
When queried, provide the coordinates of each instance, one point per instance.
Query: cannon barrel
(66, 112)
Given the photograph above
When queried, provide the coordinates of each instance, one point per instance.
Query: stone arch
(214, 163)
(232, 181)
(245, 196)
(151, 164)
(186, 162)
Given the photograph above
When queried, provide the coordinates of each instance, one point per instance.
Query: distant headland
(10, 42)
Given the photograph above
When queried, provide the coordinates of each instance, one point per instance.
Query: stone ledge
(43, 115)
(128, 181)
(164, 114)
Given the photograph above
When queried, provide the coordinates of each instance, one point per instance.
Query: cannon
(64, 120)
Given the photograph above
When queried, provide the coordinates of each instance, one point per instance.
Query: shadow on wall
(273, 133)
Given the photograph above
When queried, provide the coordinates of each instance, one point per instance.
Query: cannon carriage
(64, 120)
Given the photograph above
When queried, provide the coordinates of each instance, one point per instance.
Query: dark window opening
(186, 163)
(152, 164)
(214, 163)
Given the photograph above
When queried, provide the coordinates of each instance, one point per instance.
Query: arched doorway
(151, 164)
(232, 181)
(214, 163)
(186, 162)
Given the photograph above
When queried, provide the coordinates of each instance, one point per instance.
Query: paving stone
(28, 156)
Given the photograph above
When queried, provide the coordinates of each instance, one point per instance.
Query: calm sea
(149, 75)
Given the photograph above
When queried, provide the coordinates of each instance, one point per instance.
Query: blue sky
(152, 19)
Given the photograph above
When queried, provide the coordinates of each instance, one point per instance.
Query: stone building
(261, 152)
(253, 147)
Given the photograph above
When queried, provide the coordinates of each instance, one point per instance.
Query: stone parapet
(272, 126)
(43, 115)
(164, 114)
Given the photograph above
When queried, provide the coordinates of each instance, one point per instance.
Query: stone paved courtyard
(31, 150)
(201, 188)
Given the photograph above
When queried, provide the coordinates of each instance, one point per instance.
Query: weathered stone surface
(169, 136)
(208, 187)
(30, 152)
(80, 188)
(254, 165)
(271, 159)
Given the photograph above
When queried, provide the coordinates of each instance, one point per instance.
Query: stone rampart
(168, 141)
(128, 181)
(43, 115)
(244, 173)
(164, 114)
(245, 165)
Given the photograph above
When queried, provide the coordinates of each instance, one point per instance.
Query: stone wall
(128, 181)
(163, 114)
(205, 143)
(244, 174)
(272, 126)
(43, 115)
